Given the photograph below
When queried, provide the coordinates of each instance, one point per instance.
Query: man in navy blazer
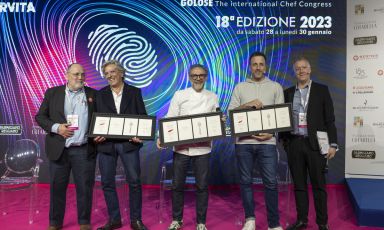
(65, 114)
(120, 98)
(312, 112)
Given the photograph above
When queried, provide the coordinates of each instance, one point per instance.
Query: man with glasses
(120, 98)
(257, 92)
(65, 114)
(312, 112)
(193, 100)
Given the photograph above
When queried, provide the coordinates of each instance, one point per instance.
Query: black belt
(300, 136)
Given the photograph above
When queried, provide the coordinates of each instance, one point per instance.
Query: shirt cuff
(334, 145)
(55, 128)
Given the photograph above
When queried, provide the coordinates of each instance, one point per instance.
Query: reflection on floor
(224, 211)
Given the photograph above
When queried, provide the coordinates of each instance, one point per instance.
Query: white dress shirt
(117, 99)
(189, 102)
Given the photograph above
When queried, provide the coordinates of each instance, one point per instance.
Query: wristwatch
(336, 146)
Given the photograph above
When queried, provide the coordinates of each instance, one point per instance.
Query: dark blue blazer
(131, 103)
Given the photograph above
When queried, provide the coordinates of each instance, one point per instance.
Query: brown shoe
(54, 227)
(85, 227)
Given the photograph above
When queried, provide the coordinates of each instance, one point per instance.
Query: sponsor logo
(16, 7)
(362, 89)
(360, 73)
(380, 72)
(365, 25)
(365, 107)
(365, 40)
(37, 130)
(379, 10)
(363, 154)
(358, 122)
(363, 138)
(378, 124)
(359, 9)
(365, 57)
(10, 129)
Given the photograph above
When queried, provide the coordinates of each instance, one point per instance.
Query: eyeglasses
(78, 74)
(196, 76)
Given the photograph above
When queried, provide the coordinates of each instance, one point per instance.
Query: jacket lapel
(61, 101)
(90, 100)
(109, 101)
(124, 99)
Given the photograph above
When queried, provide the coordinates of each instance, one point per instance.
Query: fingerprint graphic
(134, 52)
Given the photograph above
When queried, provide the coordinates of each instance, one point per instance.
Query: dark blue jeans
(83, 169)
(200, 167)
(131, 163)
(266, 156)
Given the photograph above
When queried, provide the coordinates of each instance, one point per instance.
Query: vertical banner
(365, 89)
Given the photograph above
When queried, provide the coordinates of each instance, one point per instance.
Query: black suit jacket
(131, 103)
(52, 111)
(320, 113)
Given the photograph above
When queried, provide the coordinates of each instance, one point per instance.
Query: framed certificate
(191, 129)
(269, 119)
(122, 126)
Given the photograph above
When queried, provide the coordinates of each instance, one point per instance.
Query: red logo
(355, 57)
(380, 72)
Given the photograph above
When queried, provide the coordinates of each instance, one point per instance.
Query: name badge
(73, 121)
(302, 120)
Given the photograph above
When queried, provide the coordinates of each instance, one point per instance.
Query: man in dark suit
(312, 112)
(120, 98)
(65, 114)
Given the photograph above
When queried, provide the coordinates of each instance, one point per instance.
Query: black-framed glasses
(196, 76)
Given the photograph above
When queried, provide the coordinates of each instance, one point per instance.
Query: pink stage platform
(224, 211)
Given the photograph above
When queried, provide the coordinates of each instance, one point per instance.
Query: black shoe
(111, 225)
(323, 227)
(138, 225)
(297, 225)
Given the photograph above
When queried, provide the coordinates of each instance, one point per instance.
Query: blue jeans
(200, 166)
(266, 156)
(131, 163)
(83, 169)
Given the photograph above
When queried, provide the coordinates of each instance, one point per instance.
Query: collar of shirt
(67, 89)
(117, 98)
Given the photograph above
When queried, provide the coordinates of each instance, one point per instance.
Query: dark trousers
(200, 166)
(131, 163)
(83, 169)
(303, 160)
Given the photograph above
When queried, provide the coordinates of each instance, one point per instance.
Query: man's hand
(158, 144)
(254, 103)
(262, 136)
(224, 118)
(331, 153)
(136, 140)
(65, 131)
(99, 139)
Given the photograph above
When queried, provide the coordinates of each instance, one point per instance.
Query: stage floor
(224, 211)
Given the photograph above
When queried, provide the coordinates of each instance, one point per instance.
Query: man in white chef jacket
(193, 100)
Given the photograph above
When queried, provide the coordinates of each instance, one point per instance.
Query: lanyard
(304, 103)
